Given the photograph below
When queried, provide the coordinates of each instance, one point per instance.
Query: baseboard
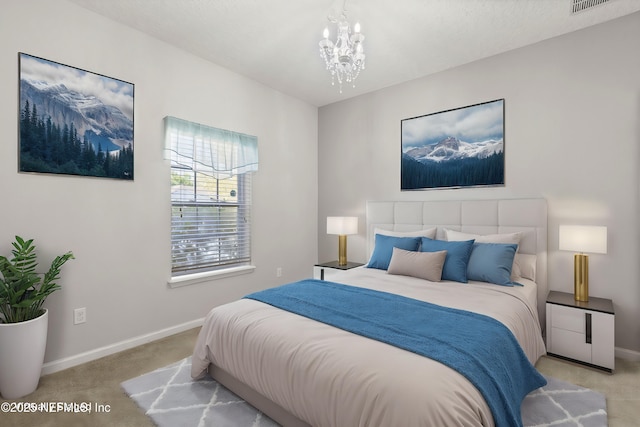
(630, 355)
(78, 359)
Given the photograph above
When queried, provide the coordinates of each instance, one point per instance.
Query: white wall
(572, 110)
(119, 231)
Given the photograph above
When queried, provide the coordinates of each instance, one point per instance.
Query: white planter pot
(22, 347)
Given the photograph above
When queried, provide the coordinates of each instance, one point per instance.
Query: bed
(303, 372)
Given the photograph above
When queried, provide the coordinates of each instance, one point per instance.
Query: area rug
(170, 398)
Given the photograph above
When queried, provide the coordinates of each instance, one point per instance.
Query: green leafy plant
(22, 290)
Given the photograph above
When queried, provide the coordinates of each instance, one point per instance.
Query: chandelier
(345, 56)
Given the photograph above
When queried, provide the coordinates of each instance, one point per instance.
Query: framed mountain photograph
(462, 147)
(74, 122)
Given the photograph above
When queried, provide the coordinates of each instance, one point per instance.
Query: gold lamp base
(581, 277)
(342, 249)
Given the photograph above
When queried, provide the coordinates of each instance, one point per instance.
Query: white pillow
(423, 265)
(429, 232)
(524, 265)
(509, 238)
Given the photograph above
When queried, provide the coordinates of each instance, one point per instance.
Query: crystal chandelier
(345, 57)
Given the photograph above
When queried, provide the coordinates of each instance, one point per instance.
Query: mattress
(326, 376)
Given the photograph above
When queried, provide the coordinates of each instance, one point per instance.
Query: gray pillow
(423, 265)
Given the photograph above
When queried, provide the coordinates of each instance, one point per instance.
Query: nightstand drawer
(570, 344)
(568, 318)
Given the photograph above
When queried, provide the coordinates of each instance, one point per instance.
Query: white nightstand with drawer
(581, 331)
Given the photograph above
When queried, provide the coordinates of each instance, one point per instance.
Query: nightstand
(583, 332)
(327, 269)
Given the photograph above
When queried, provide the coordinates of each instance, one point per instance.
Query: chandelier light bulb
(356, 27)
(325, 33)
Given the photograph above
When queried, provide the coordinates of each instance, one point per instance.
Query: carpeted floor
(170, 397)
(99, 381)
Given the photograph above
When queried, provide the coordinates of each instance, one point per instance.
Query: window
(211, 173)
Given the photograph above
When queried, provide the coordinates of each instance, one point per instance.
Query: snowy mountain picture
(463, 147)
(73, 121)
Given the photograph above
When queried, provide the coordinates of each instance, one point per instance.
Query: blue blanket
(477, 346)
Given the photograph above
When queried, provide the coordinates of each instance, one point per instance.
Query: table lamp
(582, 238)
(342, 226)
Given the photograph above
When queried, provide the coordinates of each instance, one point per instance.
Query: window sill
(192, 279)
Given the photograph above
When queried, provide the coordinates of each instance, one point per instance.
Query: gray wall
(572, 134)
(119, 231)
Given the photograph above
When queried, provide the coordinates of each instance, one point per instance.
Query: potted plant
(23, 321)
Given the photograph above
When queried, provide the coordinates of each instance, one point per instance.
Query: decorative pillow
(455, 263)
(429, 232)
(384, 249)
(509, 238)
(513, 238)
(492, 262)
(423, 265)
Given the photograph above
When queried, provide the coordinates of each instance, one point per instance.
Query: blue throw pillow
(455, 264)
(384, 249)
(492, 262)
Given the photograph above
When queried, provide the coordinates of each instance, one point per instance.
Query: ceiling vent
(582, 5)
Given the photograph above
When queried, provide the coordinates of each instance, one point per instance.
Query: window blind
(210, 196)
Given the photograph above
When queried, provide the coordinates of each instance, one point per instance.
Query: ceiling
(275, 42)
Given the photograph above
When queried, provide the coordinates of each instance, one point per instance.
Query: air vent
(582, 5)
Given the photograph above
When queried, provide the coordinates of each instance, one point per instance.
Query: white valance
(216, 152)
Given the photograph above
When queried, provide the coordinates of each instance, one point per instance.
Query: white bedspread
(330, 377)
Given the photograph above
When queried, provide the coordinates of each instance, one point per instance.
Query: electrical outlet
(279, 272)
(79, 315)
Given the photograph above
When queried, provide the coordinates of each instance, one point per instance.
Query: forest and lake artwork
(74, 122)
(462, 147)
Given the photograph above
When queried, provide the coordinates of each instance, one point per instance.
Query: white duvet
(330, 377)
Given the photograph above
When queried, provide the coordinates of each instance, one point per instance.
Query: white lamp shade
(342, 225)
(583, 238)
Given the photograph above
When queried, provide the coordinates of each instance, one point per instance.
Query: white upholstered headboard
(528, 216)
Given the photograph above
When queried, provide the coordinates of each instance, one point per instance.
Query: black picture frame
(74, 122)
(456, 148)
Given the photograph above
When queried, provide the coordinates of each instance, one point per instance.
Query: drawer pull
(588, 327)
